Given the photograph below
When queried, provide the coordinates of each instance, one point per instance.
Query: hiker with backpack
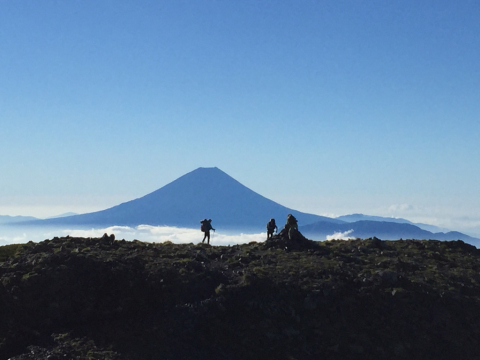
(206, 227)
(271, 227)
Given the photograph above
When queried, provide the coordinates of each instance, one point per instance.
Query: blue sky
(330, 107)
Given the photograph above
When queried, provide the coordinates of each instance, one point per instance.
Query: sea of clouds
(147, 233)
(167, 233)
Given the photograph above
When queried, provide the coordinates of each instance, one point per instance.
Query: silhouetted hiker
(206, 227)
(271, 227)
(291, 226)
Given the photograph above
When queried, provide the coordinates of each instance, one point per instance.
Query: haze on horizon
(326, 107)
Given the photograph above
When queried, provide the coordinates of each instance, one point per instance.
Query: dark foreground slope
(75, 298)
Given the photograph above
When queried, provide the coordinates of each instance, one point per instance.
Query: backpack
(203, 227)
(206, 225)
(271, 225)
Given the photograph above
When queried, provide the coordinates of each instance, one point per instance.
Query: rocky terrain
(101, 298)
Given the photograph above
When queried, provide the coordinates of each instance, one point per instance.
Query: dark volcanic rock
(298, 242)
(284, 299)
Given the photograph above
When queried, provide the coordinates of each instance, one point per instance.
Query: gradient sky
(330, 107)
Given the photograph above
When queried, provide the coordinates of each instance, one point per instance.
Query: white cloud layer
(145, 233)
(340, 235)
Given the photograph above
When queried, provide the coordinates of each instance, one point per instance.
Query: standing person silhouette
(206, 227)
(271, 227)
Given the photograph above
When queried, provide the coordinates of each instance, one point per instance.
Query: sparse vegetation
(8, 251)
(279, 299)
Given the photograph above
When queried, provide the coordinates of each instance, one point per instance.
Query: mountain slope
(6, 219)
(202, 193)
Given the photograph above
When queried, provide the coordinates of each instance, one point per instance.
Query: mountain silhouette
(202, 193)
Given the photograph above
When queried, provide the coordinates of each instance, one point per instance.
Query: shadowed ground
(283, 299)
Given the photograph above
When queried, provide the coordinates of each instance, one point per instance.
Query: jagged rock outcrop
(101, 298)
(297, 242)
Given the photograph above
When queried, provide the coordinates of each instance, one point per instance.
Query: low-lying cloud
(167, 233)
(145, 233)
(340, 235)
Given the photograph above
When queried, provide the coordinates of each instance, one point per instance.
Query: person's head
(209, 220)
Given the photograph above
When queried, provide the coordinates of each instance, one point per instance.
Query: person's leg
(208, 236)
(204, 237)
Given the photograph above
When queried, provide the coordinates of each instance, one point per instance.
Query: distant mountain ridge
(382, 229)
(202, 193)
(7, 219)
(361, 217)
(63, 215)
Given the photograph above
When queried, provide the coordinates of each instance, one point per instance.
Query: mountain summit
(202, 193)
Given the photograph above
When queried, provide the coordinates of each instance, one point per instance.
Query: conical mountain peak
(201, 193)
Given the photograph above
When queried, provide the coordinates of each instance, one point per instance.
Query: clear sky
(330, 107)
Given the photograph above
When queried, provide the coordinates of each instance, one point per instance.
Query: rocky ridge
(101, 298)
